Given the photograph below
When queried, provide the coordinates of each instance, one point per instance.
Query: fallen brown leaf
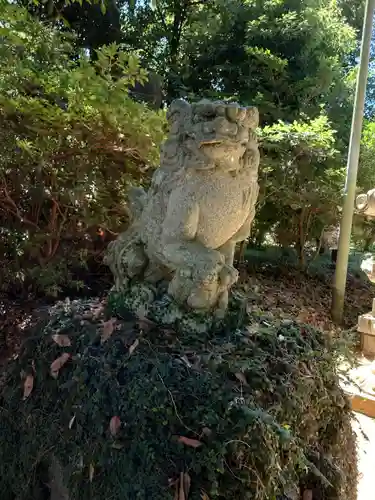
(193, 443)
(28, 386)
(61, 340)
(58, 364)
(108, 327)
(134, 346)
(145, 324)
(114, 425)
(241, 377)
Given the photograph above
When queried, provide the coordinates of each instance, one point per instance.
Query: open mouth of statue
(216, 143)
(213, 142)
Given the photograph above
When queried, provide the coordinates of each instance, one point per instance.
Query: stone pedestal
(366, 328)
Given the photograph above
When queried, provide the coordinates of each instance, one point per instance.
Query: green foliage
(287, 57)
(364, 228)
(293, 59)
(73, 141)
(366, 170)
(301, 180)
(95, 23)
(263, 399)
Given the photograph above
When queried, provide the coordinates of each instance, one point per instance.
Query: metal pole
(339, 285)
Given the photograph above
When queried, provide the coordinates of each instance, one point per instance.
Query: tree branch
(15, 210)
(162, 18)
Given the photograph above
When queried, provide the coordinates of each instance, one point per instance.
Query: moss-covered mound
(251, 411)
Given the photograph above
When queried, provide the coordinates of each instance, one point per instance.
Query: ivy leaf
(108, 327)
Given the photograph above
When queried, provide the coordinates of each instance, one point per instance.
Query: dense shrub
(72, 142)
(258, 405)
(301, 179)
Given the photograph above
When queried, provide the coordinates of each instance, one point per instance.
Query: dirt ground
(286, 292)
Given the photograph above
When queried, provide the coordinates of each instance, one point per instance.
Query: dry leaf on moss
(206, 432)
(58, 364)
(133, 347)
(187, 484)
(114, 426)
(241, 377)
(108, 327)
(182, 486)
(91, 473)
(28, 386)
(61, 340)
(181, 495)
(71, 422)
(117, 446)
(193, 443)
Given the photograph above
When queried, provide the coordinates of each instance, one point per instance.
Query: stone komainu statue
(365, 203)
(200, 204)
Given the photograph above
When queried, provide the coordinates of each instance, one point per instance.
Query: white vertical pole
(339, 285)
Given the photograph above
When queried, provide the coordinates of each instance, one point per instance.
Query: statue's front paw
(228, 276)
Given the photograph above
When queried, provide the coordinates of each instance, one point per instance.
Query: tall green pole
(339, 285)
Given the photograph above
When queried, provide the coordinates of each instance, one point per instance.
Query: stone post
(365, 204)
